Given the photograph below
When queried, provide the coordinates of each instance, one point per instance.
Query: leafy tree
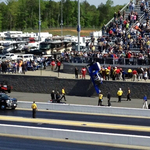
(24, 14)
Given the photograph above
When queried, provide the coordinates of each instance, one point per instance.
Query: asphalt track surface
(79, 117)
(39, 97)
(9, 143)
(82, 119)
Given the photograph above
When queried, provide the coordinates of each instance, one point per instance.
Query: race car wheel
(3, 107)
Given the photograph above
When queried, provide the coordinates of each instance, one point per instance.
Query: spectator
(128, 94)
(134, 75)
(53, 96)
(52, 64)
(109, 97)
(100, 99)
(145, 105)
(76, 72)
(83, 72)
(119, 93)
(145, 74)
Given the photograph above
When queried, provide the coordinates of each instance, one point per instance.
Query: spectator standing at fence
(145, 74)
(52, 64)
(145, 105)
(83, 72)
(20, 66)
(23, 67)
(140, 74)
(76, 72)
(129, 73)
(107, 72)
(58, 65)
(134, 75)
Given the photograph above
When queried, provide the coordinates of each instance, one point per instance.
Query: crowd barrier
(109, 60)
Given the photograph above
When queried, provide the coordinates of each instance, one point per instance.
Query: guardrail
(74, 135)
(87, 109)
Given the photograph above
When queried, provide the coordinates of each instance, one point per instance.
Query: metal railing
(109, 60)
(120, 11)
(141, 18)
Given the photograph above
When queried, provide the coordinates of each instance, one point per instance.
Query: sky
(97, 2)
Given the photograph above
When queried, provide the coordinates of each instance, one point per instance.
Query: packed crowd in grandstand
(124, 41)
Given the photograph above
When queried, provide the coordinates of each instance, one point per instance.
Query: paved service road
(135, 103)
(9, 143)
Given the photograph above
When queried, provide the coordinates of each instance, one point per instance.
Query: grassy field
(66, 31)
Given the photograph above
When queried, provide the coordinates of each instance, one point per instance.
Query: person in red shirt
(117, 73)
(109, 67)
(134, 72)
(52, 65)
(83, 72)
(58, 65)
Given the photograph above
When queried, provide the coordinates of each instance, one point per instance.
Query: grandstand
(126, 36)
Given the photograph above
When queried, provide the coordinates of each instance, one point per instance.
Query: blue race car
(94, 72)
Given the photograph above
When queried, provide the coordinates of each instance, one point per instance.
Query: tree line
(24, 14)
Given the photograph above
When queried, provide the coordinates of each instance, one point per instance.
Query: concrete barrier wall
(75, 135)
(43, 84)
(87, 109)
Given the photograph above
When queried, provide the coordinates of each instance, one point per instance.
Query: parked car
(5, 87)
(6, 102)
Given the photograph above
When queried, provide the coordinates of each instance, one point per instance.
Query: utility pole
(79, 27)
(39, 21)
(61, 18)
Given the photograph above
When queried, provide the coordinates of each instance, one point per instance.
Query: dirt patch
(71, 30)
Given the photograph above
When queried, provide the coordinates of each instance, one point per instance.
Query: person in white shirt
(145, 75)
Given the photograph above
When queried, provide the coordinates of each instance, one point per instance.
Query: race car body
(94, 72)
(4, 87)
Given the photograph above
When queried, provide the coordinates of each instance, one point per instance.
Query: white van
(11, 56)
(25, 57)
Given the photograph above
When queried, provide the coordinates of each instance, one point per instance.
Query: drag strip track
(84, 128)
(79, 117)
(9, 143)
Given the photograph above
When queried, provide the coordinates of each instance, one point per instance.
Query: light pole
(39, 21)
(79, 27)
(61, 18)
